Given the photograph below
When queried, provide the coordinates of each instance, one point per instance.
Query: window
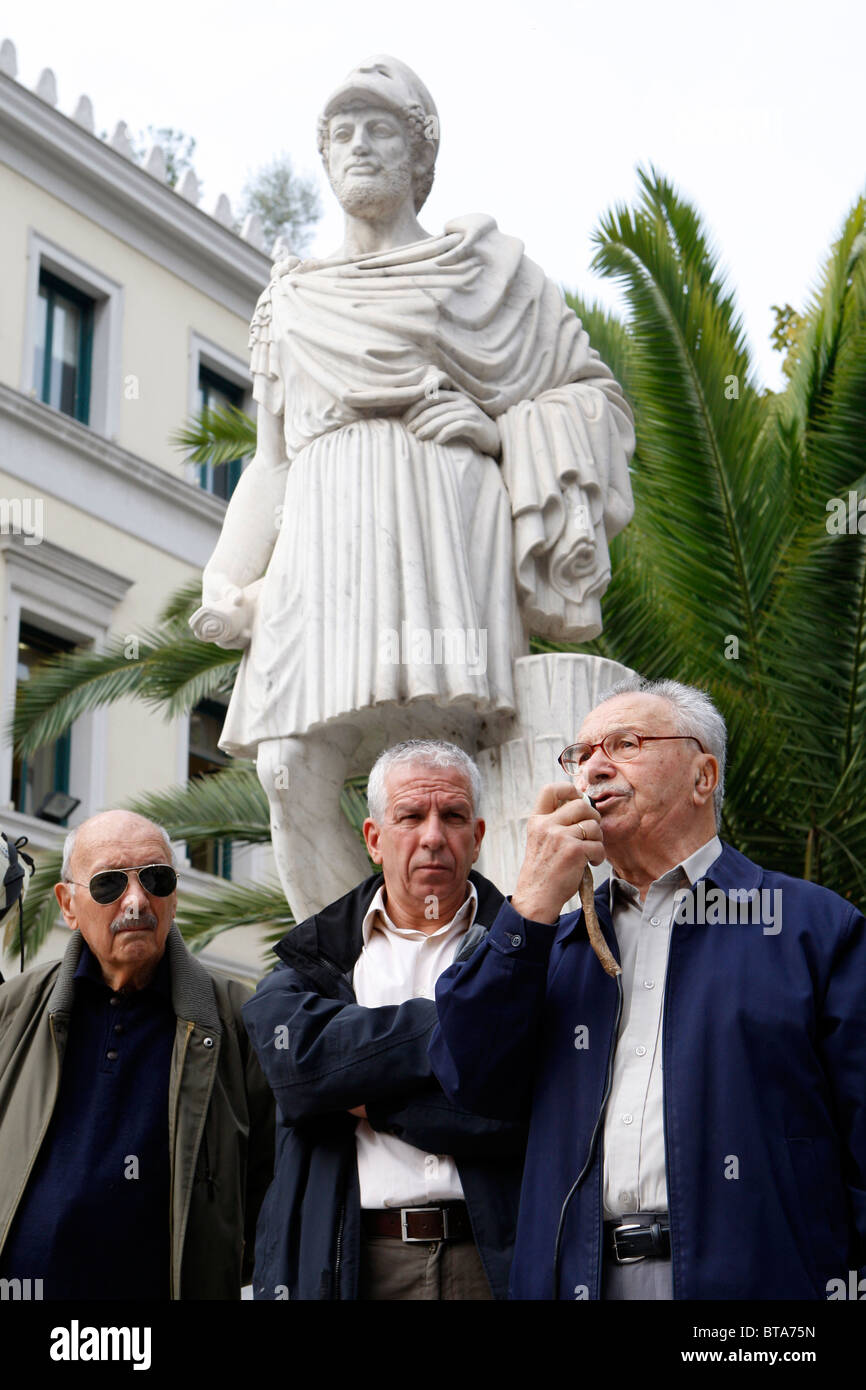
(215, 392)
(46, 771)
(52, 601)
(63, 348)
(72, 351)
(214, 856)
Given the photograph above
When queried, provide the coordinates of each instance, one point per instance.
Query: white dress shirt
(634, 1143)
(395, 965)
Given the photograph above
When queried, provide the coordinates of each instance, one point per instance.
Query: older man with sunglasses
(697, 1127)
(136, 1139)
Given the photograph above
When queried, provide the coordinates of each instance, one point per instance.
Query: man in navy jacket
(730, 1158)
(383, 1188)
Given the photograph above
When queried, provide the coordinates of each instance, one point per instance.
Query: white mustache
(142, 919)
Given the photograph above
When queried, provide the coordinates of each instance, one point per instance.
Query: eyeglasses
(620, 746)
(160, 880)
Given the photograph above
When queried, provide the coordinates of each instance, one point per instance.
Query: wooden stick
(593, 930)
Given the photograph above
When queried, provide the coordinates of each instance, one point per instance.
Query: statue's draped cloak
(385, 540)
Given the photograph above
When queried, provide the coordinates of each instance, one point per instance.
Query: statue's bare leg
(318, 855)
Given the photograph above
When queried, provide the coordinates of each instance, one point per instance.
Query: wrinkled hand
(451, 418)
(228, 620)
(563, 835)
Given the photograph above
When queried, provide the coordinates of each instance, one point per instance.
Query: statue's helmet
(384, 81)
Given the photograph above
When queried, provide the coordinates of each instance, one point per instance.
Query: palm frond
(67, 686)
(226, 805)
(180, 606)
(237, 905)
(217, 436)
(701, 489)
(167, 668)
(182, 671)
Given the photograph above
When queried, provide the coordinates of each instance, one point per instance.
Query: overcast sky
(753, 107)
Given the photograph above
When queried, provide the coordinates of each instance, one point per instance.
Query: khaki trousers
(394, 1269)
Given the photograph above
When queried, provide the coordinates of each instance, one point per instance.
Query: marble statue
(442, 458)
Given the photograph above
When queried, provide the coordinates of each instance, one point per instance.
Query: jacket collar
(733, 870)
(192, 992)
(336, 931)
(730, 871)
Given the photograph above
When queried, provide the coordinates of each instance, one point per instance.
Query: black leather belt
(639, 1237)
(447, 1222)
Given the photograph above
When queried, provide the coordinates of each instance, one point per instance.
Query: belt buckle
(626, 1259)
(423, 1240)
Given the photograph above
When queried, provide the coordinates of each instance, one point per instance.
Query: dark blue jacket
(764, 1058)
(323, 1054)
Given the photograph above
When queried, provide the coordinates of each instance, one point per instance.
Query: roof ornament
(46, 87)
(8, 59)
(83, 114)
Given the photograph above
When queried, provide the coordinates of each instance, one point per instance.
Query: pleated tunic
(393, 579)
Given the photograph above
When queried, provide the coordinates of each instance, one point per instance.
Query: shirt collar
(88, 968)
(692, 868)
(376, 917)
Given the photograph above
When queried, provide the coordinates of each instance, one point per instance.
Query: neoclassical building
(125, 307)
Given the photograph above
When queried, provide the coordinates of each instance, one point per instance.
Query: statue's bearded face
(369, 161)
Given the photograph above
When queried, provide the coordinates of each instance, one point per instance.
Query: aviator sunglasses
(160, 880)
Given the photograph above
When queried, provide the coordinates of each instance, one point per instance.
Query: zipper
(611, 1050)
(331, 966)
(338, 1254)
(173, 1124)
(665, 1050)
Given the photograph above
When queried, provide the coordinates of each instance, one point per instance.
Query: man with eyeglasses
(136, 1139)
(697, 1127)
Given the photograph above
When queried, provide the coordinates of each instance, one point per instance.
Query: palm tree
(728, 577)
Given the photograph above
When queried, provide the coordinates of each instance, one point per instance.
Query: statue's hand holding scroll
(574, 555)
(451, 418)
(227, 620)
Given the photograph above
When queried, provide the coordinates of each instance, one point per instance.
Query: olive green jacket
(220, 1112)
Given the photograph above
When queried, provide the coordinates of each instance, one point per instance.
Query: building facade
(123, 308)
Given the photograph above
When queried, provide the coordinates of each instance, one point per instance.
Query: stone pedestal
(555, 691)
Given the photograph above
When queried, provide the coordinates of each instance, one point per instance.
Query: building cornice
(93, 581)
(56, 456)
(56, 153)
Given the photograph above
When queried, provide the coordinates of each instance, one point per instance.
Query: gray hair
(426, 752)
(695, 715)
(69, 846)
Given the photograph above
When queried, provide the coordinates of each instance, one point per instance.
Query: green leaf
(226, 805)
(217, 436)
